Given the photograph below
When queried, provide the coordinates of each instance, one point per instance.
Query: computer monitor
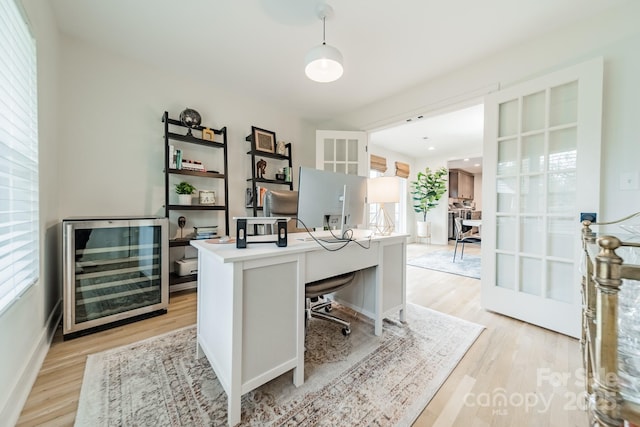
(331, 199)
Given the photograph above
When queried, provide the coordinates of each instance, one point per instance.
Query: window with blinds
(19, 236)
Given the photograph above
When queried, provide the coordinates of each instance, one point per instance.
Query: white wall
(614, 35)
(102, 154)
(111, 156)
(27, 326)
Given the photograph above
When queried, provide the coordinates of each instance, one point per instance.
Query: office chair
(285, 203)
(463, 237)
(282, 203)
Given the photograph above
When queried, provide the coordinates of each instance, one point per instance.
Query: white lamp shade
(324, 64)
(384, 189)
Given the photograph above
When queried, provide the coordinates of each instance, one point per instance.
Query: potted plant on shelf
(185, 190)
(428, 189)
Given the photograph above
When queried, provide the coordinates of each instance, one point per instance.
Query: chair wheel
(346, 331)
(328, 308)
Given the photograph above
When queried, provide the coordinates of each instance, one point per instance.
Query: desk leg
(379, 274)
(199, 353)
(235, 384)
(378, 326)
(298, 371)
(233, 409)
(298, 376)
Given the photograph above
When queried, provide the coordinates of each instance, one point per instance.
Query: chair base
(321, 311)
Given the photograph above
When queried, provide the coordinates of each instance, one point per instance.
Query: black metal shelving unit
(254, 180)
(174, 279)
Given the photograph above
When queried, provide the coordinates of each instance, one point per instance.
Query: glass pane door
(536, 172)
(342, 151)
(542, 139)
(117, 269)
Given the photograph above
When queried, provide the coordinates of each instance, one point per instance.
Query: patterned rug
(468, 266)
(359, 380)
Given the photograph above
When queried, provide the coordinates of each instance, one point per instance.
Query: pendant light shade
(324, 62)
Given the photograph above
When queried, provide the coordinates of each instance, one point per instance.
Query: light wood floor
(515, 374)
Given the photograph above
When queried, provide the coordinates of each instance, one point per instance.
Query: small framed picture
(248, 198)
(264, 140)
(207, 134)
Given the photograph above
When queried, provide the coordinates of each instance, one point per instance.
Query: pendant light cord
(324, 19)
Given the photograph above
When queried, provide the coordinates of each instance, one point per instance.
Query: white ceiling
(453, 136)
(257, 47)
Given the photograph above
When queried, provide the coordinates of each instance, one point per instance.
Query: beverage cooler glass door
(113, 270)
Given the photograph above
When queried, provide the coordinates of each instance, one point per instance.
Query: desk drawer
(321, 264)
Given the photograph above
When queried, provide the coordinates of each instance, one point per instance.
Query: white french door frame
(541, 310)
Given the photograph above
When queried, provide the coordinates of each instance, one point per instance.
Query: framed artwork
(264, 140)
(248, 198)
(208, 134)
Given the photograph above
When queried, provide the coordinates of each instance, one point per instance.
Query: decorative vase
(190, 118)
(424, 229)
(184, 199)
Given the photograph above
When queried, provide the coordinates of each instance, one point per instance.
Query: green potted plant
(428, 189)
(185, 190)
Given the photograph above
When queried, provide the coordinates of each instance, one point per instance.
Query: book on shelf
(172, 157)
(178, 158)
(192, 165)
(206, 229)
(205, 236)
(248, 198)
(260, 192)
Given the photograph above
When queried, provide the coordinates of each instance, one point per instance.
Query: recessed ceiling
(256, 48)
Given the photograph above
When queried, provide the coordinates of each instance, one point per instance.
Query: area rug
(359, 380)
(468, 266)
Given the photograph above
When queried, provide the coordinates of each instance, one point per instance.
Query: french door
(541, 169)
(342, 151)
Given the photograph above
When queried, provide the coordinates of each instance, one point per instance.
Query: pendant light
(324, 62)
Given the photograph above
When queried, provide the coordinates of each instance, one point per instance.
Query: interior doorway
(465, 194)
(437, 139)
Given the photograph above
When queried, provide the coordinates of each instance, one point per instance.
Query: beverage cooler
(115, 270)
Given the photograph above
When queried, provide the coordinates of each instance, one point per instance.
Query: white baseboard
(20, 393)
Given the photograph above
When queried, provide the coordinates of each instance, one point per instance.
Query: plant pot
(184, 199)
(424, 229)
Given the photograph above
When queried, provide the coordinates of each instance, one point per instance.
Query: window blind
(402, 170)
(378, 163)
(19, 235)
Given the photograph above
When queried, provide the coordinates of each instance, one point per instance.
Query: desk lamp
(381, 190)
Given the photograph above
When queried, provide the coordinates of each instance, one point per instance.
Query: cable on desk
(345, 241)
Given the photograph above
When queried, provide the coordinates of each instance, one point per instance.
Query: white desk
(251, 303)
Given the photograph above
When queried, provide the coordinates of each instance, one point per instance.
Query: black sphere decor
(190, 118)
